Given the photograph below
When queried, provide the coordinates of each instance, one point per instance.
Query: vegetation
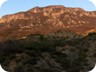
(62, 51)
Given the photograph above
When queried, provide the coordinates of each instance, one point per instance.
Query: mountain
(48, 39)
(45, 20)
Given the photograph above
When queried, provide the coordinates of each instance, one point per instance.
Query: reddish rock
(46, 20)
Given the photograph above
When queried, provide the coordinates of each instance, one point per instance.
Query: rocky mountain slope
(45, 20)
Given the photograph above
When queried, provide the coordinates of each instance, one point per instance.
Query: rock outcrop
(44, 20)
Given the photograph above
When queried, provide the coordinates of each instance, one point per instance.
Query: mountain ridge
(46, 20)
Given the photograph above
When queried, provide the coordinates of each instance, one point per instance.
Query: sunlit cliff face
(47, 19)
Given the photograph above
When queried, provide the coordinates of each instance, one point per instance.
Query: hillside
(48, 39)
(45, 20)
(62, 51)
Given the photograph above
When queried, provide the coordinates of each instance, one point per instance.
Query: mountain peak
(47, 20)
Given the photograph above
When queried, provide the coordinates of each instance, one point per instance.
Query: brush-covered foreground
(62, 51)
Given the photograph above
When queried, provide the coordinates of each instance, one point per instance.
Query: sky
(14, 6)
